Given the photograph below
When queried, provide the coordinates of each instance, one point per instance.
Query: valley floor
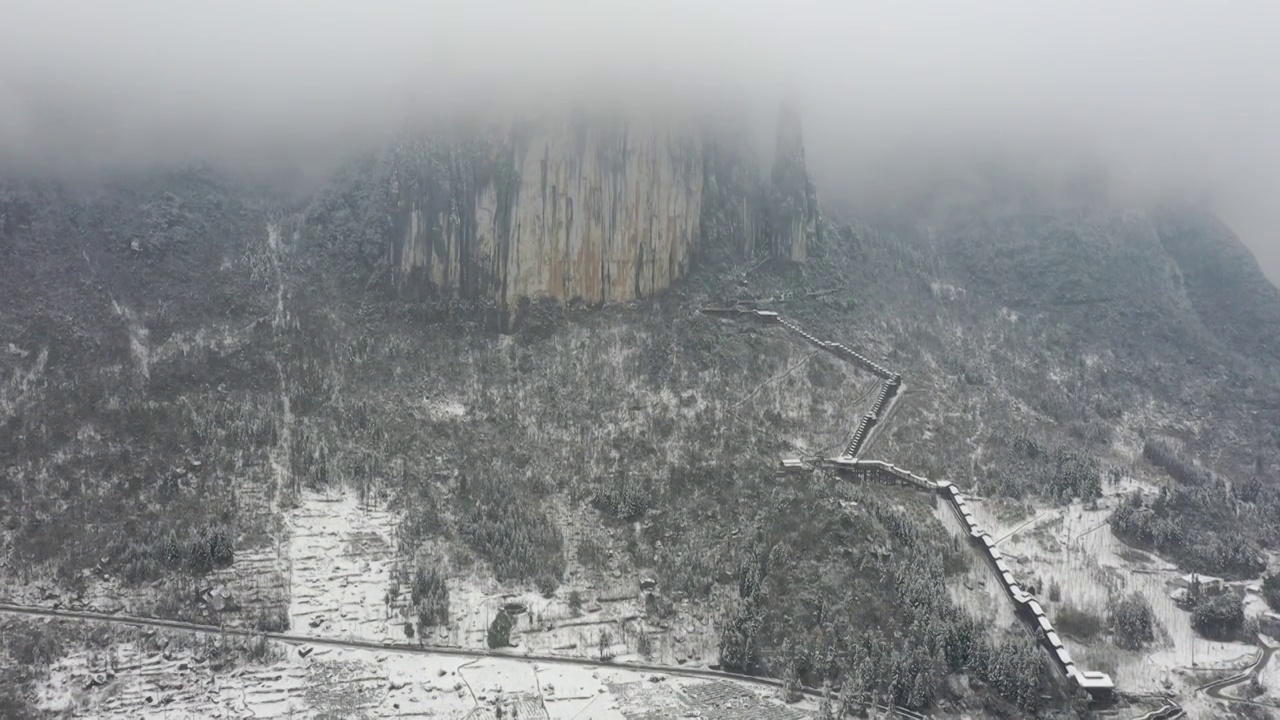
(1076, 563)
(299, 680)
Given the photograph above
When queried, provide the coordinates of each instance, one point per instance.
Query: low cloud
(1168, 95)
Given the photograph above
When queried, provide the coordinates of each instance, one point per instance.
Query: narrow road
(1215, 689)
(861, 442)
(1168, 711)
(287, 638)
(1038, 517)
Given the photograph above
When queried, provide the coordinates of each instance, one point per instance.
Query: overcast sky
(1171, 93)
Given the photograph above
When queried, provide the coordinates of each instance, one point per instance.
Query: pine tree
(790, 683)
(499, 635)
(1271, 591)
(605, 643)
(826, 709)
(738, 639)
(848, 703)
(1132, 622)
(918, 696)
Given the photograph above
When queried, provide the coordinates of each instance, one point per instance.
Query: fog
(1167, 95)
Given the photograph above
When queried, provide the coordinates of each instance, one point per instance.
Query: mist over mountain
(1167, 96)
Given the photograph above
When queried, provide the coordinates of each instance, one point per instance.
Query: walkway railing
(1095, 683)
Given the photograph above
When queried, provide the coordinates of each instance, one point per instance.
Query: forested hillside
(184, 357)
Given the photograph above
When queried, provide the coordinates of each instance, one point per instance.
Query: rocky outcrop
(1222, 282)
(735, 222)
(775, 218)
(591, 210)
(793, 207)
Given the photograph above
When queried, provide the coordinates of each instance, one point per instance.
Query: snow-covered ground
(341, 556)
(1072, 549)
(370, 683)
(1270, 680)
(977, 590)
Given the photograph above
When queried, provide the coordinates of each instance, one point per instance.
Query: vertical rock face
(590, 210)
(794, 202)
(734, 221)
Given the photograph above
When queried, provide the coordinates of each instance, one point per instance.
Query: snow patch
(138, 335)
(341, 554)
(129, 682)
(15, 391)
(445, 409)
(946, 291)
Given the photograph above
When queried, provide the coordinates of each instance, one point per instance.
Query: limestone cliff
(774, 218)
(793, 208)
(734, 202)
(590, 210)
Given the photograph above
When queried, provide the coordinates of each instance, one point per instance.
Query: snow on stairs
(855, 443)
(890, 384)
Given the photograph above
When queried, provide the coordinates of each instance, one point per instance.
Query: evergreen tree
(738, 639)
(499, 635)
(826, 708)
(430, 594)
(1132, 622)
(1271, 591)
(791, 682)
(848, 702)
(606, 641)
(1218, 616)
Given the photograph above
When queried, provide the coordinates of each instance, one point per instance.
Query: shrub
(499, 635)
(575, 603)
(29, 647)
(1165, 455)
(592, 554)
(658, 605)
(1074, 475)
(1132, 622)
(430, 594)
(17, 693)
(1109, 408)
(1271, 591)
(822, 372)
(274, 619)
(517, 538)
(791, 683)
(644, 645)
(624, 498)
(547, 584)
(197, 550)
(259, 648)
(1013, 669)
(1078, 623)
(688, 570)
(606, 641)
(826, 706)
(738, 638)
(849, 701)
(1093, 432)
(1218, 616)
(1198, 526)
